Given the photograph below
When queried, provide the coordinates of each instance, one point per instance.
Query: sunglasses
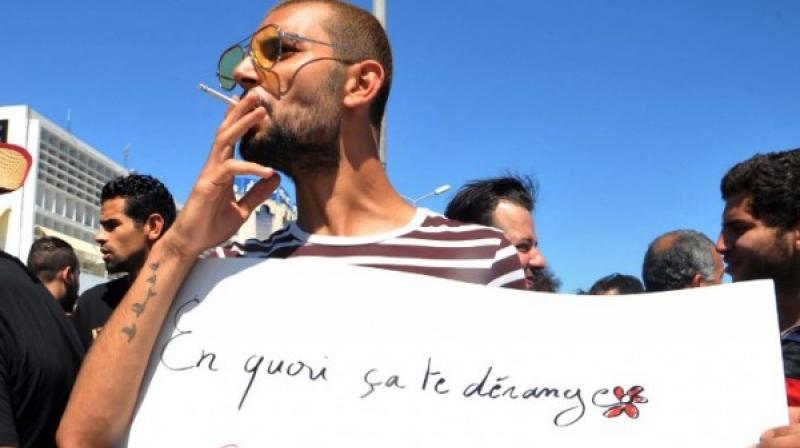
(265, 48)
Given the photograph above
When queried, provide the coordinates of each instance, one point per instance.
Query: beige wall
(281, 215)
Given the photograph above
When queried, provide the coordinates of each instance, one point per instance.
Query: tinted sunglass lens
(266, 46)
(227, 65)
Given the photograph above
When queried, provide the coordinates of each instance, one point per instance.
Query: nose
(721, 245)
(537, 260)
(245, 74)
(100, 237)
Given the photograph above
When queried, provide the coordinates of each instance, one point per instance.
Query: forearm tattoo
(139, 307)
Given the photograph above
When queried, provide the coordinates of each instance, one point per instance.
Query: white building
(61, 196)
(272, 215)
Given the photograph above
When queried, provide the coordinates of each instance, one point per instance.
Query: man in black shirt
(54, 262)
(39, 351)
(135, 211)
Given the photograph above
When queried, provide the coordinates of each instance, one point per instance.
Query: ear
(65, 274)
(363, 81)
(697, 280)
(154, 227)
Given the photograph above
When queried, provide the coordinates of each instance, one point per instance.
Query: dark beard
(776, 264)
(130, 265)
(293, 152)
(304, 142)
(68, 301)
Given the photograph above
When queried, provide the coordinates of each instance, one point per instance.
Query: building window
(49, 201)
(40, 195)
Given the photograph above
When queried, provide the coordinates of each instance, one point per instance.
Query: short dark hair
(358, 36)
(144, 195)
(673, 267)
(49, 255)
(773, 181)
(624, 284)
(476, 201)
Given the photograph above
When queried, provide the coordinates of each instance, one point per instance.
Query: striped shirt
(429, 245)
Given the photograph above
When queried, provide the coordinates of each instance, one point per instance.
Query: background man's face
(517, 224)
(751, 249)
(123, 242)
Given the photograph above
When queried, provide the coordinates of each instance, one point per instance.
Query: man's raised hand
(212, 214)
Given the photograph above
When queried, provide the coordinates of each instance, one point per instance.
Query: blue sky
(627, 112)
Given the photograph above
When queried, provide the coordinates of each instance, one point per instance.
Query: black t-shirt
(95, 307)
(39, 358)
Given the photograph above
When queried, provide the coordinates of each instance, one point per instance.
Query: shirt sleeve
(506, 270)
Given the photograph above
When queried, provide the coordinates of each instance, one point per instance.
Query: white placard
(303, 353)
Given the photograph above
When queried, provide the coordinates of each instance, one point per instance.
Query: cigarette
(216, 94)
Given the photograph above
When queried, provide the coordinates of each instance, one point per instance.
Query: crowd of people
(315, 82)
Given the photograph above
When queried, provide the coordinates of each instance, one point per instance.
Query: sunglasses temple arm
(291, 80)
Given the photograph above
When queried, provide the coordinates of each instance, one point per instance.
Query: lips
(262, 98)
(530, 276)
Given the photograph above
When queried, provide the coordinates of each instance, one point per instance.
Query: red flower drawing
(626, 403)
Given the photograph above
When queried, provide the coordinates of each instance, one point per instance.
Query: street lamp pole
(379, 11)
(436, 192)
